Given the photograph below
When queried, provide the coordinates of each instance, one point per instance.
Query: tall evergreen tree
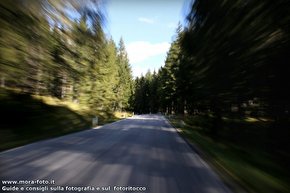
(125, 85)
(45, 51)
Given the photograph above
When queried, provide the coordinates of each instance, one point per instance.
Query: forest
(61, 50)
(226, 82)
(219, 67)
(58, 69)
(226, 74)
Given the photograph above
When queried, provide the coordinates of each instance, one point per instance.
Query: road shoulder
(227, 178)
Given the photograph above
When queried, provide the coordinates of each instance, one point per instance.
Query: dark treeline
(59, 49)
(230, 60)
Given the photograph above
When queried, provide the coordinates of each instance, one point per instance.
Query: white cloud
(139, 70)
(141, 50)
(146, 20)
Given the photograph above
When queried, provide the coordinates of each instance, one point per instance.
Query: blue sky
(147, 28)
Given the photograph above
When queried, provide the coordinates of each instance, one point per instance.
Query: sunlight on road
(148, 117)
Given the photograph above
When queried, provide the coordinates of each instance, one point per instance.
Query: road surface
(141, 154)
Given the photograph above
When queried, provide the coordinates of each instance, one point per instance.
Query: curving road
(142, 152)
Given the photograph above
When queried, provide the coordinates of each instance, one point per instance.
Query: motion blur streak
(35, 36)
(58, 69)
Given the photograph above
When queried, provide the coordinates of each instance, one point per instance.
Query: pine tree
(125, 85)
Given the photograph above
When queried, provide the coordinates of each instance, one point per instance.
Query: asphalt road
(143, 152)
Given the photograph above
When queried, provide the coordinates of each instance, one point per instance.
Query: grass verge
(25, 118)
(252, 168)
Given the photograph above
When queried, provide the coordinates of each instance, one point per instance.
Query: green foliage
(46, 51)
(146, 98)
(124, 87)
(238, 54)
(230, 59)
(230, 62)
